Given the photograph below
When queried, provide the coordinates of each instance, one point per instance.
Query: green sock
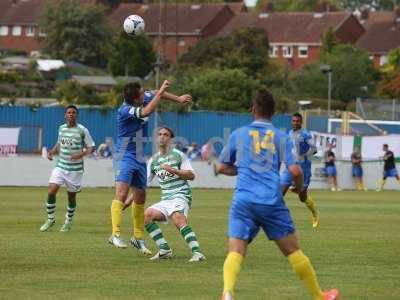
(190, 238)
(70, 211)
(51, 207)
(156, 234)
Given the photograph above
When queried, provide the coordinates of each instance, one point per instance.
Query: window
(16, 30)
(3, 30)
(181, 43)
(273, 51)
(303, 51)
(30, 31)
(41, 32)
(383, 60)
(287, 51)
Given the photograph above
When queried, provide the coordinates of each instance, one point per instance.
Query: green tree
(132, 56)
(296, 5)
(245, 49)
(218, 89)
(329, 41)
(71, 92)
(77, 32)
(352, 70)
(375, 4)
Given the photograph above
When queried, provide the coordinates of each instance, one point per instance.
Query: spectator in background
(207, 152)
(193, 151)
(330, 168)
(357, 170)
(389, 167)
(105, 149)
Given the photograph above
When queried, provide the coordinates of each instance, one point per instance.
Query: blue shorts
(287, 178)
(390, 173)
(330, 170)
(246, 218)
(132, 172)
(357, 171)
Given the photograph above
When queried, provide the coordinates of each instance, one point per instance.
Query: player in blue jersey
(254, 153)
(303, 149)
(129, 160)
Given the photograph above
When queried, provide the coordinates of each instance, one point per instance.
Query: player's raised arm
(183, 99)
(151, 107)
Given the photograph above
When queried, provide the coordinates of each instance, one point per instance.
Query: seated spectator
(105, 149)
(193, 151)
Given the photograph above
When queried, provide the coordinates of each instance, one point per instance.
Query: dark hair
(171, 133)
(264, 103)
(71, 106)
(131, 91)
(386, 145)
(298, 115)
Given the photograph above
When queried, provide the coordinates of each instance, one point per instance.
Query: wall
(195, 126)
(35, 171)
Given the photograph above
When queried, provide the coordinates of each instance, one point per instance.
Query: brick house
(296, 37)
(382, 34)
(182, 26)
(19, 27)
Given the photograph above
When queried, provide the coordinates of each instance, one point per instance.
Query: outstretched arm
(183, 99)
(151, 107)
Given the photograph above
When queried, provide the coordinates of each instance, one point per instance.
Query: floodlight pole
(158, 61)
(329, 92)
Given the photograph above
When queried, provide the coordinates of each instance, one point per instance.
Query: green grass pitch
(356, 250)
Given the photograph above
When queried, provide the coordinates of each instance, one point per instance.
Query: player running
(389, 167)
(73, 143)
(173, 170)
(303, 150)
(254, 154)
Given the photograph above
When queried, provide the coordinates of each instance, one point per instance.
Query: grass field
(356, 250)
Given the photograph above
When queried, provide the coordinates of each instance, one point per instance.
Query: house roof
(289, 27)
(182, 18)
(382, 33)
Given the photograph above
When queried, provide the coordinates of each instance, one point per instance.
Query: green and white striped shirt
(172, 186)
(72, 140)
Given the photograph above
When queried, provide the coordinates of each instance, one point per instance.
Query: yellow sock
(231, 271)
(302, 266)
(138, 220)
(358, 185)
(311, 205)
(116, 216)
(383, 181)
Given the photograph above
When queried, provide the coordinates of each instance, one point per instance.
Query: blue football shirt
(257, 151)
(303, 145)
(129, 123)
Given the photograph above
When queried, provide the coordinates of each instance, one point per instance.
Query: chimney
(364, 14)
(397, 15)
(267, 8)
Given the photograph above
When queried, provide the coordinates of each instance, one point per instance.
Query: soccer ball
(134, 25)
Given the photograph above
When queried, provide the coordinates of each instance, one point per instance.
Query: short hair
(386, 145)
(171, 133)
(264, 103)
(298, 115)
(132, 91)
(71, 106)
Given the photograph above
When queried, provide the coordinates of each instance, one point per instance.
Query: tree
(298, 5)
(352, 71)
(71, 92)
(329, 41)
(77, 32)
(373, 4)
(132, 56)
(245, 49)
(218, 89)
